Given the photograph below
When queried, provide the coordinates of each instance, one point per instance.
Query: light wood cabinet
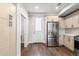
(72, 21)
(69, 23)
(66, 42)
(61, 37)
(71, 45)
(61, 22)
(75, 21)
(69, 42)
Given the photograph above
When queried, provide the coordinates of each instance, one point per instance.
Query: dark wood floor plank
(43, 50)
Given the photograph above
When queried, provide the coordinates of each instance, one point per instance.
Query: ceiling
(47, 8)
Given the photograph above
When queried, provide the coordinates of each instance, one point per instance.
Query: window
(38, 24)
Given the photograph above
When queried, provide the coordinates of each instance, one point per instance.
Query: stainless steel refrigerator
(52, 33)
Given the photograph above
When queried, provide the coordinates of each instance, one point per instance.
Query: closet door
(7, 30)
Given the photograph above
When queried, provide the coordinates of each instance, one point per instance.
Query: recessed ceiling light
(36, 7)
(57, 7)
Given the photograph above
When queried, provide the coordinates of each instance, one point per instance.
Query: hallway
(37, 49)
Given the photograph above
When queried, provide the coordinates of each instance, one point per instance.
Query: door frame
(47, 33)
(24, 18)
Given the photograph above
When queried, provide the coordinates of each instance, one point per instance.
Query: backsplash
(61, 31)
(72, 31)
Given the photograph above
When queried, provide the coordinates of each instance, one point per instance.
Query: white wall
(43, 38)
(21, 11)
(36, 36)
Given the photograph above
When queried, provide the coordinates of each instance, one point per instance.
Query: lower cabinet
(69, 42)
(61, 37)
(71, 45)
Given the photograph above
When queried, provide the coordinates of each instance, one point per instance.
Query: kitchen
(67, 31)
(71, 30)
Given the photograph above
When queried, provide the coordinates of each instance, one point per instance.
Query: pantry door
(7, 30)
(4, 30)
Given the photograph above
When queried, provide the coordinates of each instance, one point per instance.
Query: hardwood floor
(43, 50)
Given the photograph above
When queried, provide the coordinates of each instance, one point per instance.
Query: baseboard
(38, 43)
(30, 42)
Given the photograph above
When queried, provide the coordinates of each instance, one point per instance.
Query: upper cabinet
(68, 23)
(61, 22)
(72, 21)
(75, 20)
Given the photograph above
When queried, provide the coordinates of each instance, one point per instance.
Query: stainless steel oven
(76, 45)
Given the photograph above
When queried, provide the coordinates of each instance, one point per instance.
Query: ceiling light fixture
(58, 5)
(36, 7)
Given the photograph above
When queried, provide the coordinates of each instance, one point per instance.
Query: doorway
(52, 33)
(37, 29)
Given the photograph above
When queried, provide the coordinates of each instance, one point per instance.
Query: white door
(7, 29)
(4, 30)
(37, 29)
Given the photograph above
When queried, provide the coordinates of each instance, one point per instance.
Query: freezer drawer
(52, 42)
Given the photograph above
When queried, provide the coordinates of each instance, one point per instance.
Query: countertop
(71, 34)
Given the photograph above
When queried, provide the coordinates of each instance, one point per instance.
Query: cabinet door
(75, 21)
(66, 41)
(61, 40)
(61, 22)
(72, 22)
(71, 43)
(67, 23)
